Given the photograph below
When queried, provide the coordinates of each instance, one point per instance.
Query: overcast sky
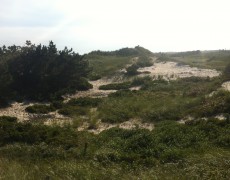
(86, 25)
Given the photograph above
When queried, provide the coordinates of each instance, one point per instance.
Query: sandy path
(171, 70)
(130, 124)
(95, 92)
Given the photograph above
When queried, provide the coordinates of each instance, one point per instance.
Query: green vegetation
(79, 107)
(40, 72)
(132, 70)
(161, 100)
(40, 109)
(197, 149)
(107, 63)
(138, 81)
(203, 59)
(144, 61)
(115, 153)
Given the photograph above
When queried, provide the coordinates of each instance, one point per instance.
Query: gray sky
(86, 25)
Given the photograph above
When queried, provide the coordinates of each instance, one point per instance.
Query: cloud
(26, 13)
(160, 25)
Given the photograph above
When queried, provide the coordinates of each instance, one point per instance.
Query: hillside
(123, 114)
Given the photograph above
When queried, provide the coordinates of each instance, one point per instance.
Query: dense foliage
(137, 152)
(41, 72)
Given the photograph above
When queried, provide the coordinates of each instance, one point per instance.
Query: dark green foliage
(3, 102)
(79, 106)
(40, 109)
(11, 132)
(132, 70)
(170, 147)
(226, 73)
(8, 119)
(41, 72)
(57, 104)
(94, 77)
(138, 81)
(73, 111)
(169, 142)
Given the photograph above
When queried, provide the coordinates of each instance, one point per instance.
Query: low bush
(73, 111)
(132, 70)
(94, 77)
(40, 109)
(138, 81)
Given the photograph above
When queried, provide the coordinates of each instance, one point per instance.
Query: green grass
(199, 150)
(107, 65)
(205, 59)
(159, 100)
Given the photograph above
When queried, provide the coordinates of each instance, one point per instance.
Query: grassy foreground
(198, 149)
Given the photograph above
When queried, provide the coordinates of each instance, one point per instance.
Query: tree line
(40, 72)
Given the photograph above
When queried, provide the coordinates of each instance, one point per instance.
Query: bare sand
(18, 110)
(95, 92)
(130, 124)
(226, 85)
(172, 71)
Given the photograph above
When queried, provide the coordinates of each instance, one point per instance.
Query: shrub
(40, 109)
(94, 77)
(132, 70)
(141, 81)
(73, 111)
(171, 155)
(8, 119)
(57, 104)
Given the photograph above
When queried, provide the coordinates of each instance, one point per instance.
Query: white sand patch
(185, 119)
(18, 110)
(220, 117)
(95, 92)
(136, 88)
(226, 86)
(131, 124)
(172, 70)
